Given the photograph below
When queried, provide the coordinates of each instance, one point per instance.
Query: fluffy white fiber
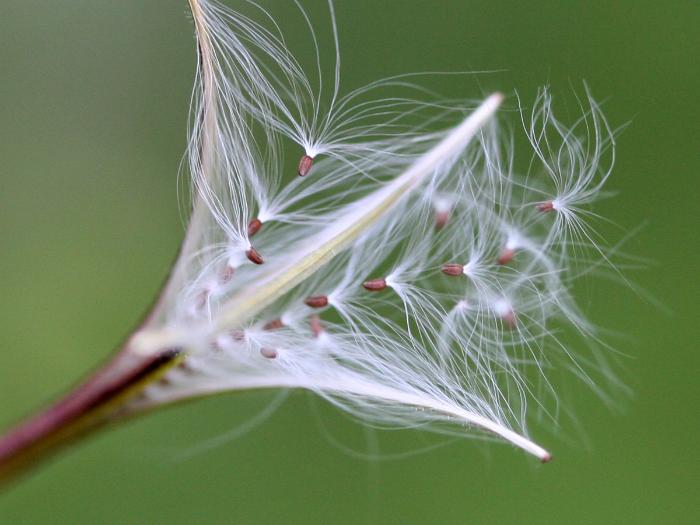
(409, 276)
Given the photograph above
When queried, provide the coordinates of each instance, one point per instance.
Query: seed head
(389, 195)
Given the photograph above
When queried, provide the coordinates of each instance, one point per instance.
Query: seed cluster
(440, 270)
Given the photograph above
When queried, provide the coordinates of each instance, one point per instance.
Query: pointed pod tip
(497, 98)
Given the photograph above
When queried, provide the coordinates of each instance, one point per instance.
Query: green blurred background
(93, 106)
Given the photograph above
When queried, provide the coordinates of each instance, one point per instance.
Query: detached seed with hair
(453, 269)
(316, 301)
(254, 256)
(254, 226)
(375, 285)
(305, 165)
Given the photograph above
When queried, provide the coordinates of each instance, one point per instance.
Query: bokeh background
(93, 107)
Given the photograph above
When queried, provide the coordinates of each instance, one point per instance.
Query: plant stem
(91, 405)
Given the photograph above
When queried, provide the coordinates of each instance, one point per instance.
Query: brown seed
(202, 298)
(452, 269)
(237, 335)
(269, 353)
(509, 319)
(305, 165)
(226, 274)
(506, 256)
(316, 301)
(545, 206)
(275, 324)
(254, 226)
(254, 256)
(316, 326)
(441, 219)
(375, 285)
